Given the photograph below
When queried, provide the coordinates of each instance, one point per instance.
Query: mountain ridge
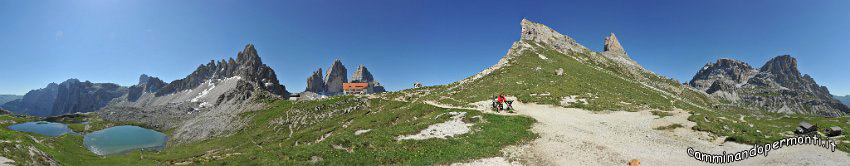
(70, 96)
(777, 86)
(205, 103)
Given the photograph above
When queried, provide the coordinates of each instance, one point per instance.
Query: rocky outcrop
(67, 97)
(146, 84)
(376, 87)
(612, 44)
(336, 75)
(614, 51)
(537, 32)
(778, 86)
(315, 83)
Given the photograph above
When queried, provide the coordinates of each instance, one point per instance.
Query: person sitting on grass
(501, 101)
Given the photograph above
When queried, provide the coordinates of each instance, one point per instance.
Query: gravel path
(580, 137)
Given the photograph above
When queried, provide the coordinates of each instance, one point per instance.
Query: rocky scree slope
(778, 86)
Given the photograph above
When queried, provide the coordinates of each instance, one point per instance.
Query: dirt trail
(579, 137)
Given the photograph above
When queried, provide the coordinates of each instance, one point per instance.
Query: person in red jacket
(501, 101)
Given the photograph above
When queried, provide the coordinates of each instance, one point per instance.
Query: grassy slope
(529, 76)
(608, 89)
(262, 142)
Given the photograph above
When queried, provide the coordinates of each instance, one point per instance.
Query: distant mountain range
(67, 97)
(778, 86)
(73, 95)
(7, 98)
(843, 99)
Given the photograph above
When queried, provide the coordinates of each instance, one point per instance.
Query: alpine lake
(108, 141)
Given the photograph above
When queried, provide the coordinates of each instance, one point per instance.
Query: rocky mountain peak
(784, 65)
(783, 71)
(777, 86)
(729, 71)
(537, 32)
(248, 56)
(336, 75)
(247, 66)
(315, 83)
(147, 84)
(612, 44)
(362, 75)
(143, 79)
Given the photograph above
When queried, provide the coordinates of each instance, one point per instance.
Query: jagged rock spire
(315, 83)
(612, 44)
(336, 75)
(248, 55)
(362, 75)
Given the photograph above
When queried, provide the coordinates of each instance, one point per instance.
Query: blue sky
(401, 42)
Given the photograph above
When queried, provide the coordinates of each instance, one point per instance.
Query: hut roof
(806, 125)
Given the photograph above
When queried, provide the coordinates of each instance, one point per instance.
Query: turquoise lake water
(43, 128)
(120, 139)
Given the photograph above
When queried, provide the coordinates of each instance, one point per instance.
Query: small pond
(120, 139)
(43, 128)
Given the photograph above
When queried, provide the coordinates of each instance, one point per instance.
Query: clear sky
(401, 42)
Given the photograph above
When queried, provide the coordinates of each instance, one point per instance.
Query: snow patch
(453, 127)
(205, 105)
(204, 92)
